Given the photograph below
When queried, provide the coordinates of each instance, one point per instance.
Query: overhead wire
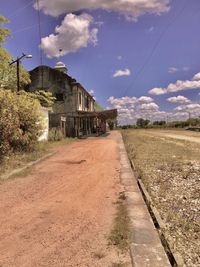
(16, 12)
(25, 29)
(154, 49)
(39, 28)
(40, 37)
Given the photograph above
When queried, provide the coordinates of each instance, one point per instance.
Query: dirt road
(62, 212)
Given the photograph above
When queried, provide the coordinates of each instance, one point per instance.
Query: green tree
(46, 99)
(141, 123)
(159, 123)
(98, 107)
(193, 121)
(8, 76)
(111, 124)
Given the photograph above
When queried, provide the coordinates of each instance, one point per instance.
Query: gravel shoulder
(170, 170)
(62, 212)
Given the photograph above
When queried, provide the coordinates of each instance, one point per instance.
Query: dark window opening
(80, 99)
(87, 102)
(59, 97)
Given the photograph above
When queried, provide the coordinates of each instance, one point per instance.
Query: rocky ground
(170, 170)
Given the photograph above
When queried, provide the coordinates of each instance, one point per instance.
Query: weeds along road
(62, 212)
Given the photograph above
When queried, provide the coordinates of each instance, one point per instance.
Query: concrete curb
(145, 245)
(29, 165)
(176, 258)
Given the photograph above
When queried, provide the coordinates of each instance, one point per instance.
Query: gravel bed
(170, 170)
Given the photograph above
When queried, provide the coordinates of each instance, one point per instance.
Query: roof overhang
(105, 114)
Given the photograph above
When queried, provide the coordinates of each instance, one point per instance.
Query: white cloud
(183, 85)
(179, 99)
(120, 73)
(146, 99)
(123, 101)
(196, 77)
(157, 91)
(180, 115)
(178, 86)
(132, 9)
(128, 101)
(91, 92)
(99, 23)
(189, 107)
(129, 112)
(119, 57)
(131, 108)
(73, 34)
(172, 70)
(149, 106)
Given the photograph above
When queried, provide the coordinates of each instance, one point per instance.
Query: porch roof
(105, 114)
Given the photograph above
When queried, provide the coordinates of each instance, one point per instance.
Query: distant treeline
(142, 123)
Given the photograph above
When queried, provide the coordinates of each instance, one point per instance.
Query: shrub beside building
(20, 122)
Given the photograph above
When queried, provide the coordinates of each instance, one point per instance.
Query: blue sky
(120, 52)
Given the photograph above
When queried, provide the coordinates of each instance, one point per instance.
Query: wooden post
(78, 128)
(74, 128)
(86, 125)
(63, 125)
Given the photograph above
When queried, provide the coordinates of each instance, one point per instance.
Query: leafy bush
(55, 134)
(46, 98)
(20, 122)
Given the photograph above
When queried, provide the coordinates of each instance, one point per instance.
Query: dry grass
(19, 160)
(119, 235)
(170, 170)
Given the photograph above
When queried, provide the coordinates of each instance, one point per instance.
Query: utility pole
(18, 83)
(189, 115)
(17, 61)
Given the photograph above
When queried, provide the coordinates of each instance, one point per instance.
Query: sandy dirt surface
(181, 135)
(62, 212)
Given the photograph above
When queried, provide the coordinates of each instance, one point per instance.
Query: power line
(20, 9)
(25, 29)
(28, 28)
(40, 36)
(40, 31)
(154, 48)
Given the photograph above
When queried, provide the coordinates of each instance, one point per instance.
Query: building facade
(74, 108)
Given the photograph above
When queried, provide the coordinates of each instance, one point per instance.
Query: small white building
(45, 117)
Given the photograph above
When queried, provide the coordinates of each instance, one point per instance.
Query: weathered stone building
(74, 109)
